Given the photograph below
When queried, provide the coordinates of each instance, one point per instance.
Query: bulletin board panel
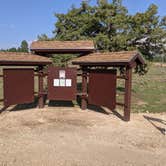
(18, 86)
(102, 88)
(62, 83)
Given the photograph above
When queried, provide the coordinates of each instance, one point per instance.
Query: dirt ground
(71, 137)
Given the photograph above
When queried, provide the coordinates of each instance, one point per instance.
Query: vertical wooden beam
(84, 89)
(41, 89)
(127, 99)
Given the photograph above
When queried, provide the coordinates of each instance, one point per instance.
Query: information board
(62, 83)
(18, 86)
(102, 88)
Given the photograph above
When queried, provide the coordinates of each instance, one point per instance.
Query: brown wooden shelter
(99, 74)
(13, 76)
(102, 62)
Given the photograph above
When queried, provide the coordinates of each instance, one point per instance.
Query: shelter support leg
(128, 83)
(84, 90)
(41, 94)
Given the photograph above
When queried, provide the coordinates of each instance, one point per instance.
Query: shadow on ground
(99, 109)
(23, 107)
(155, 121)
(60, 104)
(20, 107)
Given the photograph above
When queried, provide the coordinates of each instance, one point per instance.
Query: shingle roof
(21, 58)
(110, 58)
(62, 46)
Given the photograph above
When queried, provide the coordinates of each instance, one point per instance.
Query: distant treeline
(23, 48)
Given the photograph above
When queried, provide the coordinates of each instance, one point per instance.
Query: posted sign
(62, 83)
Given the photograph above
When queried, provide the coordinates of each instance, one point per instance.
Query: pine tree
(23, 47)
(112, 28)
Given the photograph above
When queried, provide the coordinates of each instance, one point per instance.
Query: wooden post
(127, 99)
(41, 94)
(84, 89)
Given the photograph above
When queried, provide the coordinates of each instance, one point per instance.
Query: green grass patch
(148, 91)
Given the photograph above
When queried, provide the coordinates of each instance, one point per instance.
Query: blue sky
(25, 19)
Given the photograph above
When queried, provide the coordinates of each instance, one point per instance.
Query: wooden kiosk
(99, 74)
(18, 82)
(102, 63)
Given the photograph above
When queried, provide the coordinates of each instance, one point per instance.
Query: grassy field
(148, 91)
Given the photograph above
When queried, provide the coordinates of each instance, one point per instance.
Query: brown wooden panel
(18, 86)
(58, 92)
(102, 88)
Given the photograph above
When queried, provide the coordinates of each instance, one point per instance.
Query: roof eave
(23, 63)
(101, 63)
(51, 51)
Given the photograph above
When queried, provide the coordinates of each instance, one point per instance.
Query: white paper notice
(68, 82)
(56, 82)
(62, 82)
(62, 74)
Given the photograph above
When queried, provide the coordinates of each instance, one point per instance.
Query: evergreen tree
(113, 28)
(43, 37)
(23, 47)
(147, 32)
(62, 60)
